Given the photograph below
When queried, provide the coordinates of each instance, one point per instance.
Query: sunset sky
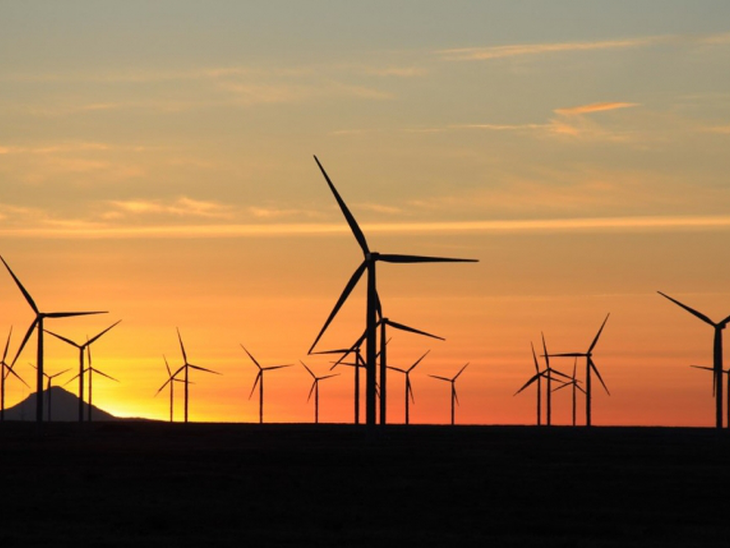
(156, 162)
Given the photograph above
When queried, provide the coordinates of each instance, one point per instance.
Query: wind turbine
(171, 380)
(260, 381)
(409, 388)
(574, 383)
(549, 377)
(716, 354)
(357, 365)
(370, 260)
(454, 397)
(5, 371)
(48, 386)
(536, 378)
(590, 365)
(186, 367)
(81, 347)
(90, 369)
(37, 325)
(315, 389)
(714, 388)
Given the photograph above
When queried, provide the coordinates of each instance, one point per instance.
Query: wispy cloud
(180, 207)
(593, 107)
(518, 50)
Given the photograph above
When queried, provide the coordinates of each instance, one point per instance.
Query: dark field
(137, 483)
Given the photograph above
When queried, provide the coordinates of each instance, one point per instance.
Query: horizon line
(577, 224)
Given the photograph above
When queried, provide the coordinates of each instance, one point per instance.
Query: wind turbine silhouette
(714, 387)
(549, 371)
(357, 365)
(90, 369)
(590, 365)
(574, 383)
(716, 354)
(186, 367)
(48, 386)
(81, 347)
(5, 371)
(536, 378)
(171, 380)
(370, 260)
(315, 389)
(37, 325)
(260, 381)
(409, 388)
(454, 397)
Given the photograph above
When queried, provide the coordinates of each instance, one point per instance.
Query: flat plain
(141, 483)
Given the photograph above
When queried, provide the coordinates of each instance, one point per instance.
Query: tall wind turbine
(315, 389)
(573, 382)
(716, 354)
(409, 388)
(725, 372)
(260, 381)
(590, 365)
(37, 325)
(454, 397)
(370, 260)
(549, 371)
(536, 378)
(90, 369)
(50, 378)
(186, 367)
(81, 347)
(5, 371)
(171, 380)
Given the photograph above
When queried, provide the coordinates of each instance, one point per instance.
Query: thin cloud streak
(593, 107)
(639, 223)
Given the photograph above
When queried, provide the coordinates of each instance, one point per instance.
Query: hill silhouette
(64, 408)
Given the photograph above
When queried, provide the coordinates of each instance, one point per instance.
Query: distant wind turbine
(81, 347)
(259, 380)
(409, 388)
(171, 380)
(371, 258)
(590, 366)
(186, 367)
(454, 397)
(716, 354)
(37, 325)
(536, 378)
(725, 372)
(573, 382)
(357, 365)
(315, 389)
(48, 387)
(5, 371)
(90, 369)
(549, 371)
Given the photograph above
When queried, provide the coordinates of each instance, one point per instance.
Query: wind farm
(301, 178)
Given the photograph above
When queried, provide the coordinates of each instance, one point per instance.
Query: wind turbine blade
(407, 259)
(270, 367)
(7, 344)
(562, 386)
(251, 356)
(105, 375)
(255, 382)
(329, 376)
(203, 369)
(95, 337)
(440, 378)
(534, 358)
(411, 368)
(76, 376)
(25, 340)
(456, 395)
(692, 311)
(307, 368)
(460, 371)
(70, 314)
(703, 367)
(58, 374)
(409, 389)
(403, 327)
(311, 390)
(595, 340)
(167, 366)
(359, 236)
(343, 297)
(64, 339)
(25, 293)
(394, 368)
(168, 381)
(528, 383)
(182, 346)
(545, 352)
(569, 355)
(11, 372)
(559, 373)
(598, 374)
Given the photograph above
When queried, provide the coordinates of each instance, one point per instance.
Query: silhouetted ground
(138, 483)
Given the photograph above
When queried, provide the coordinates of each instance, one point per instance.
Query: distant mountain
(64, 408)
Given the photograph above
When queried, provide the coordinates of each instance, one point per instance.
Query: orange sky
(163, 172)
